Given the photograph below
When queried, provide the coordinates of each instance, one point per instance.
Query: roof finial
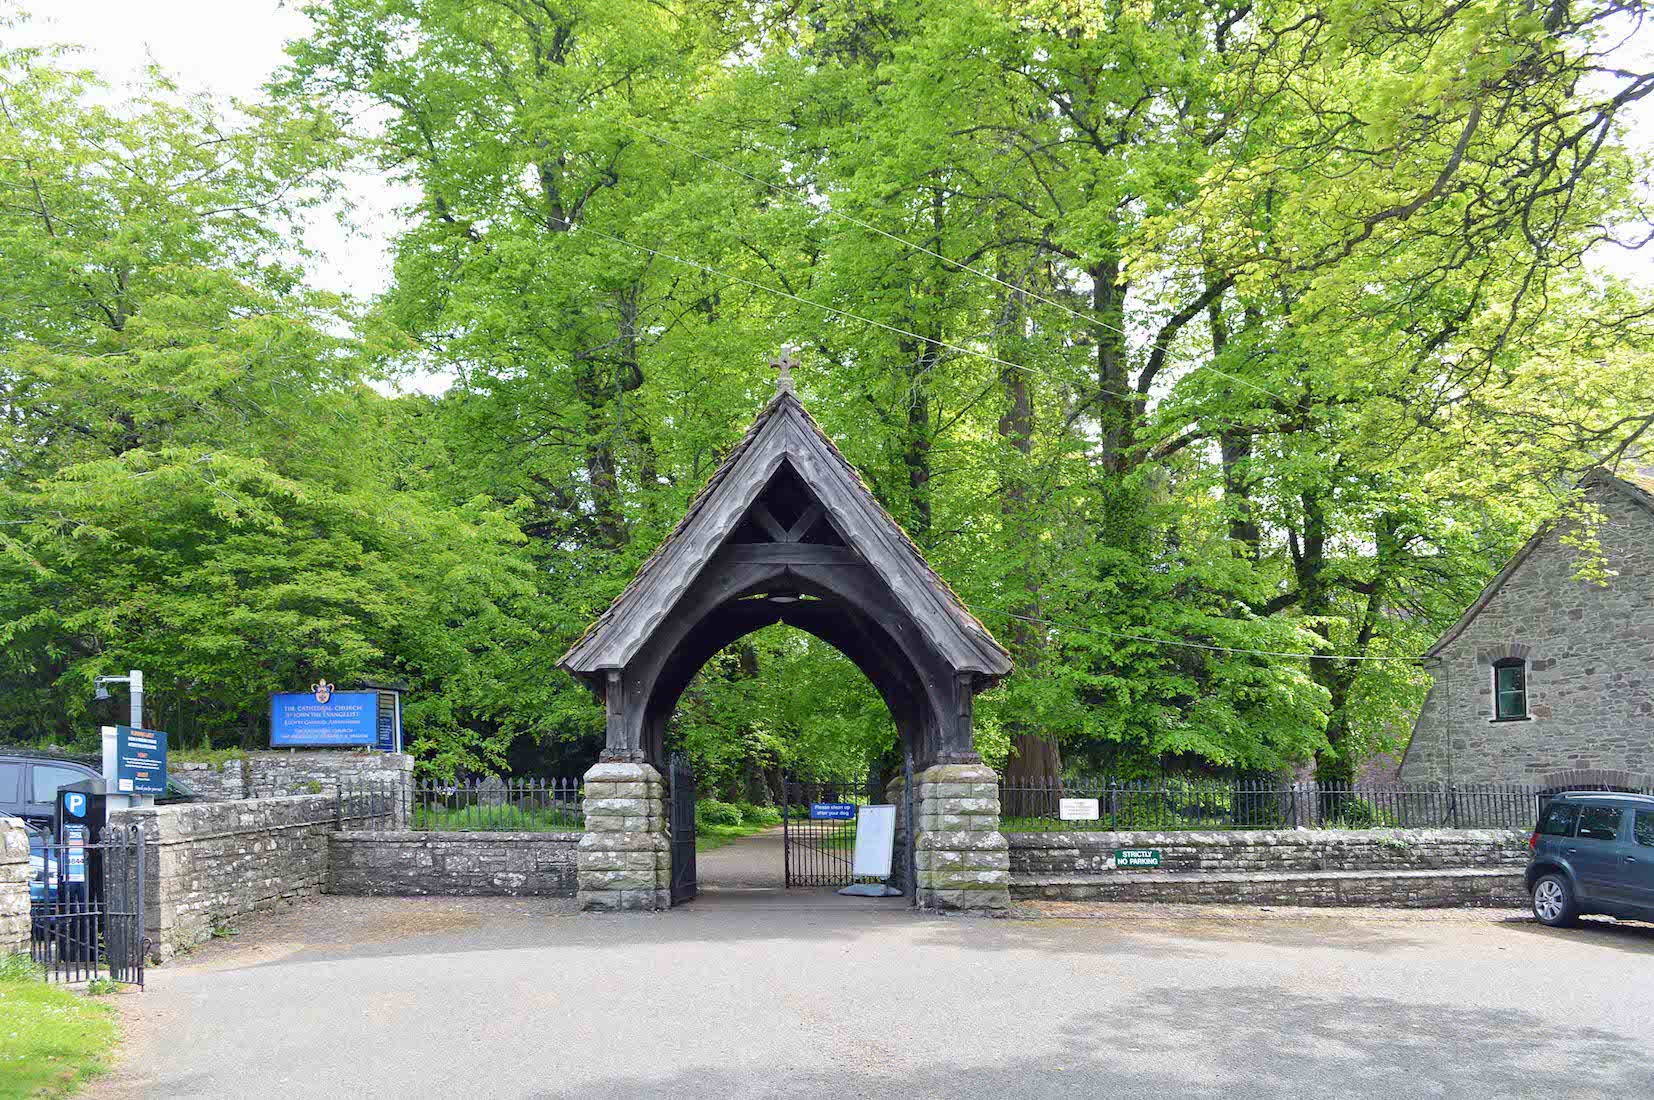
(784, 363)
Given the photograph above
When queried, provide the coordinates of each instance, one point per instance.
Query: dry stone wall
(208, 863)
(279, 772)
(403, 864)
(1381, 867)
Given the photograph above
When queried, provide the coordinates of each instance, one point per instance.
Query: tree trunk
(1033, 774)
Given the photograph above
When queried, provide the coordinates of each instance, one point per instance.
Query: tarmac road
(765, 994)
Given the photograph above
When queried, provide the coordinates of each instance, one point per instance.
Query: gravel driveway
(777, 995)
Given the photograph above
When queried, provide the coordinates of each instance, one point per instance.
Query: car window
(1599, 822)
(11, 782)
(49, 777)
(1558, 819)
(1643, 828)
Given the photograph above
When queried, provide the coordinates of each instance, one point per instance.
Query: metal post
(135, 679)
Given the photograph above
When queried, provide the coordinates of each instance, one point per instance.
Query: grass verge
(52, 1039)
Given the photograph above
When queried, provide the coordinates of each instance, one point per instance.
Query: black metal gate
(681, 778)
(819, 847)
(86, 907)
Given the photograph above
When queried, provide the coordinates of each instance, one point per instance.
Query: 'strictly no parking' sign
(1137, 857)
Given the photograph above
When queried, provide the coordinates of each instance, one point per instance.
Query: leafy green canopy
(197, 479)
(1215, 353)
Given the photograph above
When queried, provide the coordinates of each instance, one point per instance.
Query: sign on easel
(875, 841)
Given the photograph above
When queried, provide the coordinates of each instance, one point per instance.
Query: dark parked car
(1593, 852)
(42, 866)
(30, 778)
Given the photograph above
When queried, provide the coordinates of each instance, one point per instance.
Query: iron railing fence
(1221, 804)
(515, 805)
(86, 907)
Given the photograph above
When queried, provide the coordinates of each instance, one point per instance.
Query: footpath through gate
(86, 907)
(818, 821)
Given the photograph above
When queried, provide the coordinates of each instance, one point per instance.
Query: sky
(230, 47)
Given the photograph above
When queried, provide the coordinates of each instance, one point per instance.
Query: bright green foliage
(1216, 354)
(197, 479)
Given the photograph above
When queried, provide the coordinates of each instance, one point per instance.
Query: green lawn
(549, 817)
(52, 1039)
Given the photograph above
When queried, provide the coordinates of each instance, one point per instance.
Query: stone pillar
(14, 887)
(625, 859)
(963, 859)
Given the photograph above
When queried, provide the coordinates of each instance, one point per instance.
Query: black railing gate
(86, 907)
(681, 779)
(820, 851)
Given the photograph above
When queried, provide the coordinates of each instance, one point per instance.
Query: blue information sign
(342, 718)
(832, 811)
(140, 761)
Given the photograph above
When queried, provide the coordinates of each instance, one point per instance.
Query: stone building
(1548, 679)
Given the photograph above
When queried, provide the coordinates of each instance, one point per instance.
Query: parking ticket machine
(81, 814)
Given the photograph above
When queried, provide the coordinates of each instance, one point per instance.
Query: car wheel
(1553, 902)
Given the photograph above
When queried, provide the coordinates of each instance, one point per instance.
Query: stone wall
(14, 887)
(403, 864)
(1392, 867)
(278, 772)
(208, 863)
(1589, 652)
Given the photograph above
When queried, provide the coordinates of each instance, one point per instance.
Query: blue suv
(1593, 852)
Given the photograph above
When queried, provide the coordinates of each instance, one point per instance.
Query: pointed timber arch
(785, 531)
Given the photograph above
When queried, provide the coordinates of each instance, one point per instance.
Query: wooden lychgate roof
(784, 434)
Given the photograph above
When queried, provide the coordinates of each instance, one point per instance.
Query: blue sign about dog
(832, 811)
(324, 718)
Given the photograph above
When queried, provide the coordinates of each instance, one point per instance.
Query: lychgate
(786, 532)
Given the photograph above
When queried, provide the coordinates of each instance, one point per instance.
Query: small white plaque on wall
(1078, 809)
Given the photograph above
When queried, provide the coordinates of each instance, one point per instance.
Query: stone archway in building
(785, 531)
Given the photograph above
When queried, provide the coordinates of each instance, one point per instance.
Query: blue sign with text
(832, 811)
(324, 718)
(140, 761)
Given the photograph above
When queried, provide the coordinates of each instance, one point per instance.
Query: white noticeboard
(1078, 809)
(875, 840)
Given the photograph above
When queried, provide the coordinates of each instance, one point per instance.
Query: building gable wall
(1590, 668)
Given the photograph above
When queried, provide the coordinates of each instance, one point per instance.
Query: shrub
(759, 815)
(1358, 813)
(709, 811)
